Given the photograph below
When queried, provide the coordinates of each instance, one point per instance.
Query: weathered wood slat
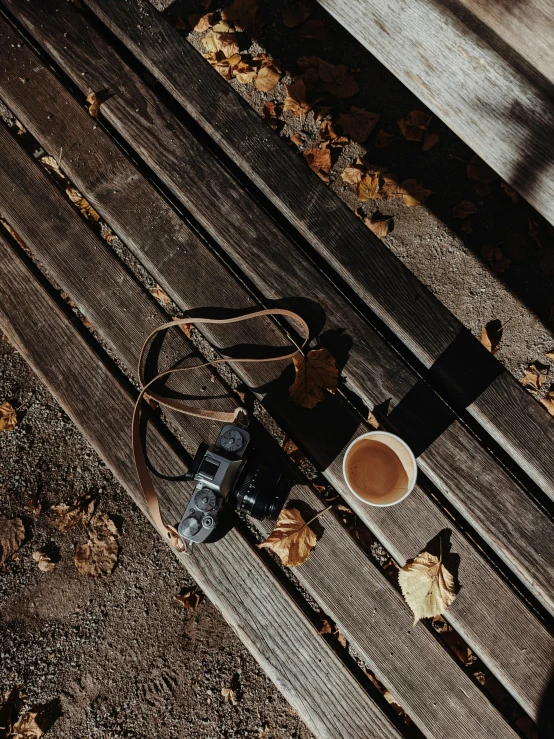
(455, 359)
(491, 618)
(162, 141)
(415, 683)
(289, 649)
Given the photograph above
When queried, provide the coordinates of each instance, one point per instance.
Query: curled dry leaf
(295, 14)
(429, 140)
(358, 123)
(79, 512)
(82, 203)
(94, 104)
(229, 696)
(319, 159)
(43, 561)
(8, 417)
(534, 376)
(548, 401)
(464, 209)
(379, 224)
(12, 536)
(491, 335)
(427, 586)
(316, 372)
(414, 125)
(26, 727)
(297, 139)
(191, 599)
(383, 139)
(292, 539)
(34, 504)
(52, 164)
(226, 43)
(98, 556)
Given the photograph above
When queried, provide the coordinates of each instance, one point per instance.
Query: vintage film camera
(224, 473)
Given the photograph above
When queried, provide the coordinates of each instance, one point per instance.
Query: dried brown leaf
(548, 402)
(481, 188)
(84, 206)
(319, 159)
(429, 140)
(245, 73)
(267, 78)
(242, 14)
(98, 556)
(495, 257)
(229, 696)
(200, 24)
(383, 139)
(161, 295)
(296, 101)
(491, 335)
(534, 376)
(427, 586)
(414, 125)
(52, 164)
(180, 24)
(341, 638)
(550, 355)
(94, 104)
(297, 139)
(325, 627)
(191, 599)
(43, 561)
(379, 224)
(186, 328)
(12, 536)
(413, 193)
(372, 420)
(292, 539)
(79, 512)
(26, 727)
(316, 372)
(34, 505)
(314, 29)
(368, 187)
(352, 175)
(358, 123)
(510, 192)
(295, 14)
(8, 417)
(464, 209)
(332, 78)
(478, 171)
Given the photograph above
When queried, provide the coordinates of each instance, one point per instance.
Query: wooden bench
(201, 241)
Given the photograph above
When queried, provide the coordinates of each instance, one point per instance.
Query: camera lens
(261, 492)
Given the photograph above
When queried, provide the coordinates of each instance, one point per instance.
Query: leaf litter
(534, 376)
(292, 539)
(8, 417)
(316, 373)
(66, 516)
(98, 556)
(43, 561)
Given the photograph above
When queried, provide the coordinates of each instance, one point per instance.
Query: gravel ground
(120, 657)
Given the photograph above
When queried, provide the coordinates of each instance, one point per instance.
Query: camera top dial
(205, 500)
(231, 440)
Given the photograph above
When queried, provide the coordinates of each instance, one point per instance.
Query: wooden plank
(295, 657)
(373, 370)
(408, 679)
(491, 618)
(455, 358)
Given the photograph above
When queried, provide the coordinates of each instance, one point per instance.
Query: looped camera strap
(145, 479)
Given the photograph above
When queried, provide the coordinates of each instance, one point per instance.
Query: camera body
(224, 473)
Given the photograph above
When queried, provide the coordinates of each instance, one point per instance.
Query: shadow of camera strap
(145, 480)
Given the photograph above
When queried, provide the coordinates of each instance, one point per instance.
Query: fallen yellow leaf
(319, 159)
(26, 727)
(316, 372)
(84, 206)
(427, 586)
(267, 78)
(368, 187)
(292, 539)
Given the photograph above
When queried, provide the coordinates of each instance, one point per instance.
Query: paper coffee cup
(379, 468)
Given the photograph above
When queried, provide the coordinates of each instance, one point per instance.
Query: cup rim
(406, 447)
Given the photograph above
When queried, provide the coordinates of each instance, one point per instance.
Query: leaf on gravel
(12, 536)
(94, 104)
(464, 209)
(534, 376)
(491, 335)
(319, 159)
(414, 125)
(245, 73)
(84, 206)
(368, 187)
(316, 372)
(325, 77)
(429, 140)
(352, 175)
(8, 417)
(413, 193)
(296, 101)
(229, 696)
(550, 355)
(43, 561)
(267, 78)
(242, 14)
(314, 29)
(383, 139)
(34, 504)
(191, 599)
(427, 586)
(98, 556)
(358, 123)
(478, 171)
(201, 24)
(510, 192)
(548, 401)
(379, 224)
(292, 539)
(26, 727)
(295, 14)
(226, 43)
(161, 295)
(79, 512)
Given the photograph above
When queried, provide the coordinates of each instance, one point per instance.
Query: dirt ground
(120, 657)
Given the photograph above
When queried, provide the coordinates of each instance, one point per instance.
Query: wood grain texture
(488, 615)
(373, 370)
(426, 327)
(289, 649)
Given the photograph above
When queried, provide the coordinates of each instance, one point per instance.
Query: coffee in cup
(379, 468)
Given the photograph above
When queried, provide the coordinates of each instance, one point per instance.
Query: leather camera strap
(145, 479)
